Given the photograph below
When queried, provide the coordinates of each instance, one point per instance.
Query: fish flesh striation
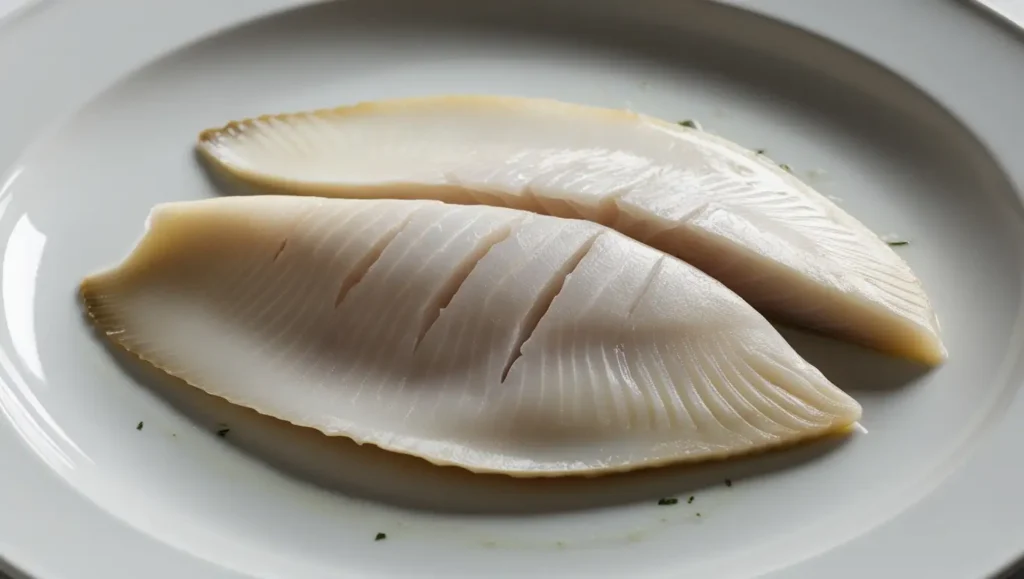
(786, 249)
(491, 338)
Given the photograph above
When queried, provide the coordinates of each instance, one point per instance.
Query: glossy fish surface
(494, 339)
(786, 249)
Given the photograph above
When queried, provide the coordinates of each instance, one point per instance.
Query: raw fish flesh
(494, 339)
(786, 249)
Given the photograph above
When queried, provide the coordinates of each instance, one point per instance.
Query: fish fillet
(490, 338)
(786, 249)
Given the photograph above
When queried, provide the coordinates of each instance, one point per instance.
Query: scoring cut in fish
(494, 339)
(786, 249)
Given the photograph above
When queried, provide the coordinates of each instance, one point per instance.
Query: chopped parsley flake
(668, 501)
(898, 242)
(760, 151)
(698, 514)
(688, 123)
(380, 537)
(728, 482)
(139, 426)
(689, 500)
(786, 167)
(223, 432)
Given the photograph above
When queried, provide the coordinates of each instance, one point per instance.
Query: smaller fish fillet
(782, 246)
(493, 339)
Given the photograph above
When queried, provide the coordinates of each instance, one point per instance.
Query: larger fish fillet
(493, 339)
(783, 247)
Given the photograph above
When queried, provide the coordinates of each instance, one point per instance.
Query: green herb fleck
(728, 482)
(689, 501)
(786, 167)
(223, 432)
(138, 426)
(898, 242)
(380, 537)
(668, 501)
(688, 123)
(698, 514)
(760, 151)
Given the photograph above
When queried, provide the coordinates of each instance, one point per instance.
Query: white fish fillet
(786, 249)
(493, 339)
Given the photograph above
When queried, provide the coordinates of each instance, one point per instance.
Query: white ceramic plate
(100, 103)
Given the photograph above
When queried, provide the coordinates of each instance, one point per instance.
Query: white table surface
(1011, 10)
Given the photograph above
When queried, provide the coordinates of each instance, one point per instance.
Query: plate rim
(53, 552)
